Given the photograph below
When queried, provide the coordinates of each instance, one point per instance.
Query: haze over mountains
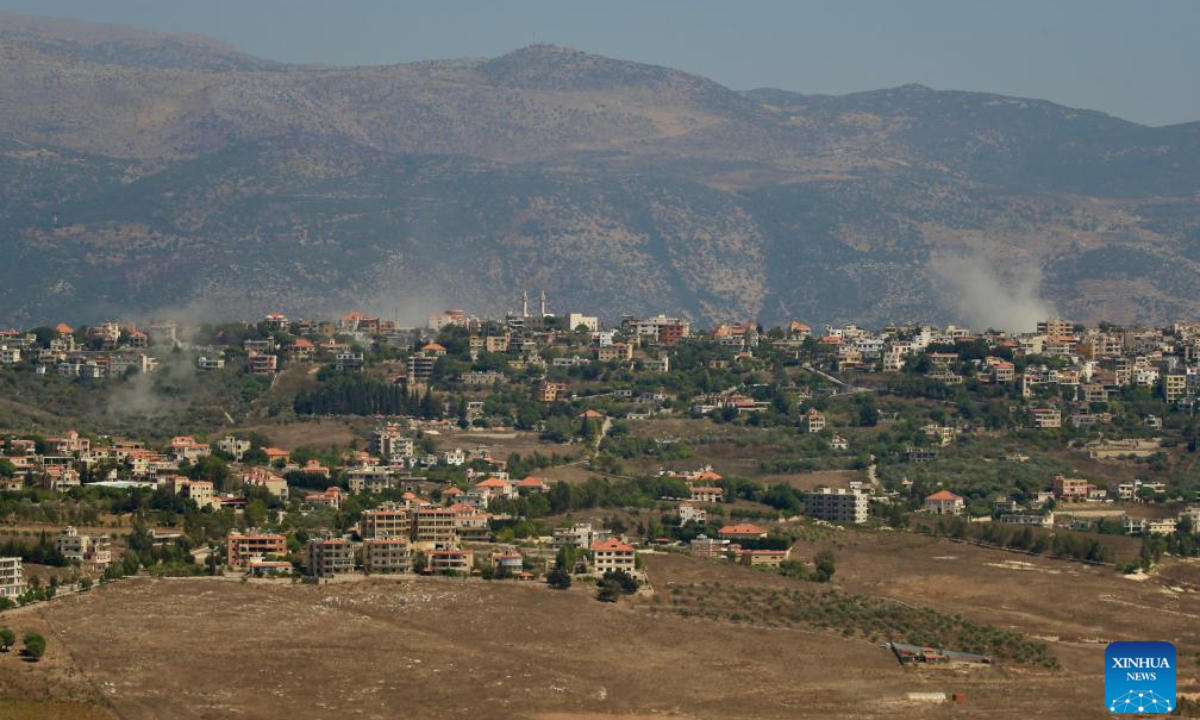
(141, 171)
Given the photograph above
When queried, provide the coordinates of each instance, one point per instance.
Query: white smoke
(986, 296)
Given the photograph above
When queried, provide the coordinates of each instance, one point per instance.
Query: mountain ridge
(617, 186)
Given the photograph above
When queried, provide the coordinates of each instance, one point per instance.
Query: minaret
(524, 304)
(543, 303)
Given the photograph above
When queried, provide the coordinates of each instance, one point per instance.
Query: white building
(837, 505)
(12, 577)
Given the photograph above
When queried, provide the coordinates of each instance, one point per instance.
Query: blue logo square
(1139, 677)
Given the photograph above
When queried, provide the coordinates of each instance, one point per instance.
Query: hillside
(143, 171)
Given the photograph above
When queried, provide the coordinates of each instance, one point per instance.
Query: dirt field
(205, 648)
(1076, 608)
(313, 433)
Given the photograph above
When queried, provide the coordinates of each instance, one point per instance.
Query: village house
(507, 561)
(93, 552)
(613, 555)
(706, 494)
(814, 420)
(580, 535)
(452, 561)
(837, 505)
(391, 554)
(763, 558)
(241, 549)
(1045, 418)
(944, 502)
(437, 527)
(1071, 489)
(263, 478)
(330, 557)
(12, 578)
(532, 486)
(690, 513)
(743, 531)
(198, 491)
(704, 546)
(332, 498)
(387, 520)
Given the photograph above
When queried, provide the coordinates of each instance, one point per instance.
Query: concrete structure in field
(763, 558)
(837, 505)
(12, 577)
(387, 555)
(241, 550)
(329, 557)
(613, 555)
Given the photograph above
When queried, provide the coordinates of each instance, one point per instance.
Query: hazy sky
(1138, 60)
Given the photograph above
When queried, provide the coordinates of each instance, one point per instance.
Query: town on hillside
(1043, 441)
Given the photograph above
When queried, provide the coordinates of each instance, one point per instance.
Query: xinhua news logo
(1139, 677)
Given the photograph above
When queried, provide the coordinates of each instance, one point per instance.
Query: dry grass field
(205, 648)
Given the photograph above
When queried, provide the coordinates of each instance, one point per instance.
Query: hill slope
(143, 171)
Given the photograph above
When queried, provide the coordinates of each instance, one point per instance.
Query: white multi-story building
(12, 577)
(837, 505)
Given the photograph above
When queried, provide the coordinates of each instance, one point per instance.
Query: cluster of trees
(356, 395)
(614, 584)
(824, 566)
(34, 644)
(1058, 544)
(41, 552)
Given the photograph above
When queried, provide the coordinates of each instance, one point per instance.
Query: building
(329, 557)
(589, 323)
(388, 442)
(814, 420)
(705, 546)
(837, 505)
(452, 561)
(743, 531)
(387, 555)
(617, 352)
(706, 494)
(1070, 489)
(763, 558)
(262, 364)
(92, 552)
(507, 562)
(240, 550)
(386, 521)
(12, 577)
(233, 447)
(944, 502)
(1028, 519)
(613, 555)
(690, 513)
(1045, 418)
(332, 498)
(198, 491)
(437, 526)
(581, 535)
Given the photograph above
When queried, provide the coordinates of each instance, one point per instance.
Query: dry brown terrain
(204, 648)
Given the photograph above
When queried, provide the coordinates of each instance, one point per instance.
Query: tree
(624, 582)
(8, 638)
(825, 566)
(608, 591)
(35, 646)
(558, 578)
